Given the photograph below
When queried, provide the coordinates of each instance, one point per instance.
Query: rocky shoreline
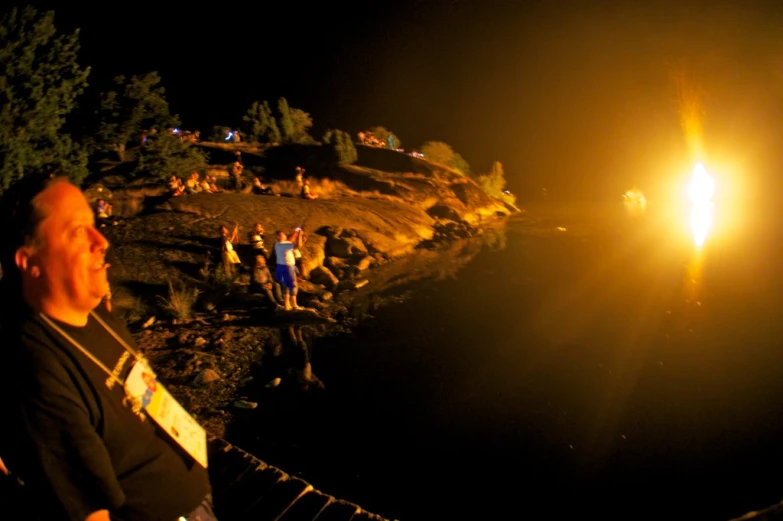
(216, 345)
(234, 345)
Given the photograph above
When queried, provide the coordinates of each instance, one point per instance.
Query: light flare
(700, 191)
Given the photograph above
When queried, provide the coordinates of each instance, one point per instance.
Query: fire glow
(700, 191)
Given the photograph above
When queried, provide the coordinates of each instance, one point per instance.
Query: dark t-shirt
(261, 276)
(76, 445)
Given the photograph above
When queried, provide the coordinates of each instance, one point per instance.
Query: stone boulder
(364, 263)
(329, 231)
(322, 275)
(441, 211)
(335, 263)
(313, 254)
(346, 247)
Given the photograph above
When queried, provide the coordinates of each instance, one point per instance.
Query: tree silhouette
(286, 123)
(494, 183)
(295, 124)
(441, 153)
(40, 81)
(135, 107)
(260, 123)
(166, 154)
(342, 144)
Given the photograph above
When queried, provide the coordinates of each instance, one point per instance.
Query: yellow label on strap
(166, 411)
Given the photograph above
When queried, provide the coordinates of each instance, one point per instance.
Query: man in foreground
(74, 429)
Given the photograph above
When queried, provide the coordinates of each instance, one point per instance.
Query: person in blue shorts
(285, 273)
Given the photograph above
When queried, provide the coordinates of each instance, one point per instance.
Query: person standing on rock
(229, 255)
(285, 272)
(236, 175)
(256, 239)
(75, 430)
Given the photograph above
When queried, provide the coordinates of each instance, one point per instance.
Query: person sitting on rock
(192, 185)
(260, 189)
(103, 209)
(285, 272)
(213, 184)
(176, 186)
(204, 184)
(228, 253)
(262, 282)
(102, 212)
(306, 193)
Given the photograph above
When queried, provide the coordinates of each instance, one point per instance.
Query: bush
(441, 153)
(494, 184)
(130, 307)
(166, 154)
(180, 302)
(344, 149)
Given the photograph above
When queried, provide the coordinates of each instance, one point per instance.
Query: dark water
(586, 371)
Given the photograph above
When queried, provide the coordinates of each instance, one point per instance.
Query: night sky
(573, 98)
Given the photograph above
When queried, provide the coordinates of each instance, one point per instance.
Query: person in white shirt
(285, 273)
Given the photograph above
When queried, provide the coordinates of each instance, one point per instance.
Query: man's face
(281, 236)
(258, 228)
(68, 249)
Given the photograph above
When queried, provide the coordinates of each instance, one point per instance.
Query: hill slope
(378, 209)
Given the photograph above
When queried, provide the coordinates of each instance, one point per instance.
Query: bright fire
(700, 192)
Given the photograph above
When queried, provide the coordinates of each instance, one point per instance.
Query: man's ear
(23, 258)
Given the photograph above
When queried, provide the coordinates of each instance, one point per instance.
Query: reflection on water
(601, 370)
(495, 239)
(289, 361)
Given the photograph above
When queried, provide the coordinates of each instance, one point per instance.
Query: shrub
(128, 306)
(180, 302)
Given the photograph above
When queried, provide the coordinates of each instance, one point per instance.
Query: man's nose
(99, 242)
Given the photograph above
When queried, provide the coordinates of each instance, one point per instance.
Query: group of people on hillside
(371, 140)
(281, 288)
(305, 192)
(184, 135)
(238, 182)
(195, 184)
